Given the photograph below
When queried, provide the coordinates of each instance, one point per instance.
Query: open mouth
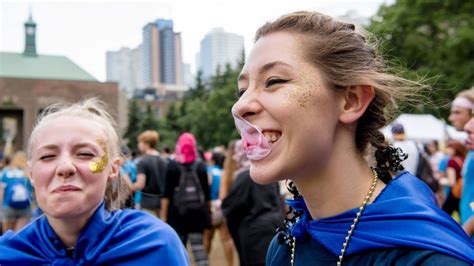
(256, 145)
(271, 136)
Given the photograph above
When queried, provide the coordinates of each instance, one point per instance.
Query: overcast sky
(85, 30)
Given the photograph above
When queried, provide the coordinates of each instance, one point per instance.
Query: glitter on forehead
(98, 167)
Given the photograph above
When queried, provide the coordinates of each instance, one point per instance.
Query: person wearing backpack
(186, 202)
(17, 194)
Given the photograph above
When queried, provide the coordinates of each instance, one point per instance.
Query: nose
(65, 168)
(451, 117)
(248, 105)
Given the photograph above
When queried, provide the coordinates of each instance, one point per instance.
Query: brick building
(29, 82)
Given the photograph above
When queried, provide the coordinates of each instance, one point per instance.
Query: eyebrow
(54, 146)
(264, 69)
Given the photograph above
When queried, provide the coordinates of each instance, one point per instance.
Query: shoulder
(243, 179)
(135, 219)
(149, 239)
(23, 245)
(307, 252)
(201, 165)
(277, 254)
(403, 256)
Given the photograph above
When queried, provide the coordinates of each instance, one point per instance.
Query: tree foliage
(139, 121)
(205, 111)
(134, 125)
(434, 40)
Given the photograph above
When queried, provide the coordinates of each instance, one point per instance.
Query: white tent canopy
(424, 128)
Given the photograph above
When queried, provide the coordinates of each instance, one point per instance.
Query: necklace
(352, 228)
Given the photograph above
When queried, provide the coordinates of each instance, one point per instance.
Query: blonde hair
(347, 57)
(19, 160)
(96, 110)
(230, 166)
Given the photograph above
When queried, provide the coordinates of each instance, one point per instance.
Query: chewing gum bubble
(255, 144)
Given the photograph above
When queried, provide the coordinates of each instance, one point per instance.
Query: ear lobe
(115, 169)
(356, 100)
(29, 173)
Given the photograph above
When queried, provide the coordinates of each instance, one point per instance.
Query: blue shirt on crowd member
(466, 207)
(129, 167)
(215, 172)
(12, 176)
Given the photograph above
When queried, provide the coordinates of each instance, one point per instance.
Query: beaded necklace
(352, 228)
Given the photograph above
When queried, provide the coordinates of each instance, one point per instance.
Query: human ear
(114, 172)
(356, 99)
(29, 173)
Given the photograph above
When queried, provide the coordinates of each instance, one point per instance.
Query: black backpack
(189, 195)
(425, 172)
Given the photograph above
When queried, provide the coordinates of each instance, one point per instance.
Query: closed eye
(47, 157)
(274, 81)
(85, 155)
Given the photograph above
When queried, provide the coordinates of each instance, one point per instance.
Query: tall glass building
(162, 60)
(219, 48)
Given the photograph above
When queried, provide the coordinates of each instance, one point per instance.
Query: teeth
(271, 136)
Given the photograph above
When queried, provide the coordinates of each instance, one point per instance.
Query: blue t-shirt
(22, 191)
(466, 207)
(121, 237)
(130, 168)
(215, 172)
(443, 164)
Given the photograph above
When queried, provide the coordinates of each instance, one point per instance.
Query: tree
(149, 121)
(171, 128)
(433, 39)
(205, 111)
(199, 90)
(134, 125)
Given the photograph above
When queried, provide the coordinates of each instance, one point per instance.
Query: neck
(340, 186)
(69, 229)
(151, 152)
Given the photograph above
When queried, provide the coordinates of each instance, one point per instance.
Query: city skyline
(82, 32)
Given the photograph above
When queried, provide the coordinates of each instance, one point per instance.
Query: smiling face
(65, 156)
(284, 95)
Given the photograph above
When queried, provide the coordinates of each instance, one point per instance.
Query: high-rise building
(161, 51)
(219, 48)
(123, 67)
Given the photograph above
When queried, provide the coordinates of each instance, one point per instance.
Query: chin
(263, 176)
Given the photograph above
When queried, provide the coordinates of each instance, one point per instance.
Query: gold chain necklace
(352, 228)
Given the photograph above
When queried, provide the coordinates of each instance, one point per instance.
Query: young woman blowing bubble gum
(313, 96)
(74, 166)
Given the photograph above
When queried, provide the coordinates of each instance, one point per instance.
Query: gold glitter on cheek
(98, 167)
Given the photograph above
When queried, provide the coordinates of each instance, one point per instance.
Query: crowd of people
(314, 95)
